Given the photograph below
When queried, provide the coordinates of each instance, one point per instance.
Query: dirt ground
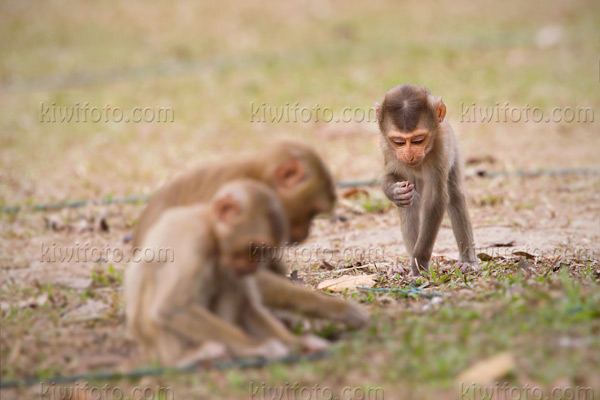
(531, 314)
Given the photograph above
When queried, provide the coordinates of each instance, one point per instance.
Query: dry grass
(210, 63)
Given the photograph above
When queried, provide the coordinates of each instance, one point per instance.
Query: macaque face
(249, 225)
(247, 254)
(243, 261)
(302, 215)
(305, 191)
(410, 148)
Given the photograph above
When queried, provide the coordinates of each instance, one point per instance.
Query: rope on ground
(139, 373)
(340, 184)
(406, 292)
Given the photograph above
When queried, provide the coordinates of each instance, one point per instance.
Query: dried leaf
(74, 283)
(327, 266)
(294, 276)
(54, 222)
(524, 254)
(31, 302)
(92, 309)
(347, 282)
(488, 371)
(485, 257)
(524, 265)
(354, 193)
(504, 244)
(100, 224)
(480, 160)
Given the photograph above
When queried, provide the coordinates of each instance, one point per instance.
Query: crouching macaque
(205, 301)
(305, 188)
(423, 172)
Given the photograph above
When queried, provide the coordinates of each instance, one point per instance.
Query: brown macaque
(181, 309)
(423, 172)
(293, 170)
(305, 188)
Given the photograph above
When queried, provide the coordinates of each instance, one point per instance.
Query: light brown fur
(423, 189)
(305, 188)
(208, 293)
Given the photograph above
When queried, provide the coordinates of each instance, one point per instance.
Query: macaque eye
(399, 142)
(418, 140)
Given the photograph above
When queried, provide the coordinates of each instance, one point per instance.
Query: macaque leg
(169, 347)
(279, 292)
(198, 325)
(261, 323)
(461, 222)
(410, 222)
(434, 202)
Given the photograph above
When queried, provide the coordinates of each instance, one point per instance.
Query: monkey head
(409, 118)
(303, 184)
(249, 223)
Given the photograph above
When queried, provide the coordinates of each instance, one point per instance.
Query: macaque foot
(270, 349)
(418, 268)
(313, 344)
(354, 316)
(396, 269)
(208, 351)
(466, 267)
(402, 193)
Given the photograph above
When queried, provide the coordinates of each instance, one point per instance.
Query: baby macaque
(205, 301)
(423, 172)
(305, 188)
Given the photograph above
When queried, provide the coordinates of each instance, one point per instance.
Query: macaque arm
(259, 320)
(388, 186)
(279, 292)
(434, 200)
(175, 309)
(278, 266)
(410, 222)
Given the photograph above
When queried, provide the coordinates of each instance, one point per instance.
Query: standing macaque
(423, 172)
(305, 188)
(180, 309)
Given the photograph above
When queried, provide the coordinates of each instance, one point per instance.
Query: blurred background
(210, 63)
(215, 78)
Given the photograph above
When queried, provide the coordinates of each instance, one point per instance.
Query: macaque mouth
(414, 163)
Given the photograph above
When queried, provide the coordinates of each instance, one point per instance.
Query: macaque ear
(440, 109)
(290, 173)
(227, 208)
(378, 110)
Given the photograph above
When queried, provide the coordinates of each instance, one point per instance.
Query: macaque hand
(313, 344)
(403, 193)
